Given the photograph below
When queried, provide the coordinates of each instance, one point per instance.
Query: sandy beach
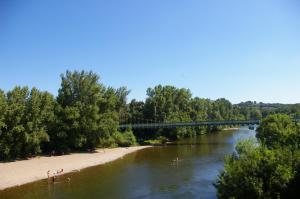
(26, 171)
(231, 129)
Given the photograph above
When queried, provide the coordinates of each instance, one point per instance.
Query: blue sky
(240, 50)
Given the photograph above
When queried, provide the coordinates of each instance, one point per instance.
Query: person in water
(176, 160)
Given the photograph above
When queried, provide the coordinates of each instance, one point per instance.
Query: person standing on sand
(48, 174)
(60, 172)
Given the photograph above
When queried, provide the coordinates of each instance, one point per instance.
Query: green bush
(107, 142)
(159, 141)
(125, 139)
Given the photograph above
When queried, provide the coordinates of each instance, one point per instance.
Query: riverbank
(231, 129)
(25, 171)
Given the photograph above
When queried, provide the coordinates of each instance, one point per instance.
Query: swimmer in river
(176, 160)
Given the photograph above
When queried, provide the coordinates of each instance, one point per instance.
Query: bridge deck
(191, 124)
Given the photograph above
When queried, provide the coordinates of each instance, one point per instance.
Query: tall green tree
(79, 116)
(88, 113)
(136, 109)
(38, 120)
(17, 137)
(4, 136)
(121, 105)
(163, 101)
(28, 116)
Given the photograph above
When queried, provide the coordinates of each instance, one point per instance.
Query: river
(151, 173)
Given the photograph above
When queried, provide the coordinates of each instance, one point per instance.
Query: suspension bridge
(156, 125)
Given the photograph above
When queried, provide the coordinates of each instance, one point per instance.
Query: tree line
(171, 104)
(86, 114)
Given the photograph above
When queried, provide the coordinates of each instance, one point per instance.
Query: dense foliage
(279, 130)
(25, 119)
(269, 168)
(171, 104)
(86, 114)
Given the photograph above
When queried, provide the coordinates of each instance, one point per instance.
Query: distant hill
(267, 108)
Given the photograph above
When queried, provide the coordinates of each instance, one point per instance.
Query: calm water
(150, 173)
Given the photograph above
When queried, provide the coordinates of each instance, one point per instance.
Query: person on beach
(48, 174)
(60, 172)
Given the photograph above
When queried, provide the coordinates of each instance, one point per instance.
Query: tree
(121, 105)
(79, 97)
(4, 136)
(88, 113)
(223, 108)
(278, 131)
(135, 111)
(38, 119)
(16, 137)
(169, 104)
(28, 115)
(199, 109)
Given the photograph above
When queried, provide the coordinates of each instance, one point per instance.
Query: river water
(150, 173)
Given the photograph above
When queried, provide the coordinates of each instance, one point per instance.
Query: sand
(26, 171)
(231, 129)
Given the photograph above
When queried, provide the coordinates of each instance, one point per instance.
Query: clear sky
(240, 50)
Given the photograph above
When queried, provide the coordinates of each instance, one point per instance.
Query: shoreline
(231, 129)
(26, 171)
